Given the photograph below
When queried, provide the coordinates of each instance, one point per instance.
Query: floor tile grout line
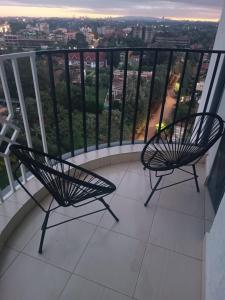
(4, 272)
(26, 243)
(102, 285)
(174, 251)
(180, 212)
(122, 234)
(85, 248)
(146, 247)
(151, 242)
(46, 262)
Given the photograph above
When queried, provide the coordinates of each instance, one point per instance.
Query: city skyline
(180, 9)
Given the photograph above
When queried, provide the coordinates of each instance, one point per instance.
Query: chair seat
(170, 156)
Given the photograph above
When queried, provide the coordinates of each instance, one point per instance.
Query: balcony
(152, 253)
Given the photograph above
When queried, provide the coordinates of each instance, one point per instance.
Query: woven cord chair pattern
(68, 184)
(179, 144)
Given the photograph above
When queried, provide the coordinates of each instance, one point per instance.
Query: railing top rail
(17, 55)
(60, 51)
(124, 49)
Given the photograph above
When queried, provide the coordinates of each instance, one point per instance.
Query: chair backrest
(187, 139)
(66, 182)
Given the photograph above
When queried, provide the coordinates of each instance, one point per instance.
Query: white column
(214, 275)
(218, 45)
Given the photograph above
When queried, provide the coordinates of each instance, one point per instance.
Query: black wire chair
(180, 144)
(68, 184)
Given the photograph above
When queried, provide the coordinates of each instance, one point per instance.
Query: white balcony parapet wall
(13, 58)
(19, 203)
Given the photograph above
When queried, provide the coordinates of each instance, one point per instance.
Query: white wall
(218, 45)
(215, 239)
(215, 257)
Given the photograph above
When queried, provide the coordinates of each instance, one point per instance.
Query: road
(168, 109)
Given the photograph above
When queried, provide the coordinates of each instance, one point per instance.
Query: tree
(79, 41)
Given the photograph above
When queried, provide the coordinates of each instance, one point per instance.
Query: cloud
(154, 8)
(116, 3)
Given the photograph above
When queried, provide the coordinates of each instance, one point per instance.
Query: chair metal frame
(98, 191)
(188, 146)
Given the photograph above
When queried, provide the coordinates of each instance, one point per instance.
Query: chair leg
(196, 178)
(109, 209)
(153, 190)
(43, 228)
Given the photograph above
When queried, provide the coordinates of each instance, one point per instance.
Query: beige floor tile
(64, 244)
(81, 289)
(137, 187)
(26, 230)
(178, 232)
(166, 275)
(73, 212)
(135, 219)
(183, 198)
(28, 278)
(7, 256)
(113, 260)
(113, 173)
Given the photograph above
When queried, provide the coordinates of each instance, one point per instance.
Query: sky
(175, 9)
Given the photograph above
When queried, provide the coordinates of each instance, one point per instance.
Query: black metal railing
(192, 67)
(102, 97)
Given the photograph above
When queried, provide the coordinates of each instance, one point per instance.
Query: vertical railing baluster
(193, 95)
(69, 101)
(83, 98)
(181, 86)
(165, 89)
(195, 84)
(123, 97)
(9, 173)
(22, 102)
(179, 94)
(54, 102)
(151, 96)
(212, 82)
(97, 99)
(38, 101)
(110, 98)
(6, 91)
(1, 197)
(137, 95)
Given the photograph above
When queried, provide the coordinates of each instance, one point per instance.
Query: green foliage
(79, 42)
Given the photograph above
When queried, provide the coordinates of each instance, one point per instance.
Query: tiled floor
(153, 253)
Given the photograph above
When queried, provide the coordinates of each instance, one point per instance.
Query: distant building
(71, 35)
(118, 78)
(14, 40)
(11, 40)
(145, 33)
(138, 32)
(85, 30)
(148, 35)
(127, 30)
(200, 86)
(5, 27)
(90, 37)
(43, 27)
(105, 30)
(60, 30)
(171, 41)
(89, 59)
